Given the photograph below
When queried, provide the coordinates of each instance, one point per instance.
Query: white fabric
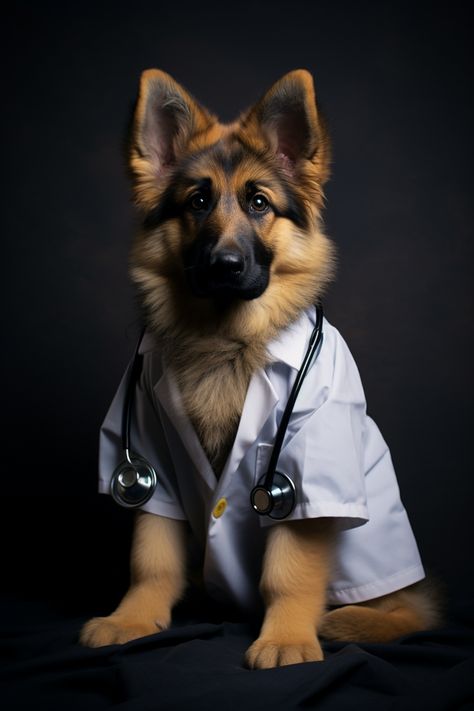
(333, 451)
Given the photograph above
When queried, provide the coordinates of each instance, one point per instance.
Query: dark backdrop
(394, 81)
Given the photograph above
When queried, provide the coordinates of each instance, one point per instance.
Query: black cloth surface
(198, 664)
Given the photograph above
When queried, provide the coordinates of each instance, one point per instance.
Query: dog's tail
(415, 608)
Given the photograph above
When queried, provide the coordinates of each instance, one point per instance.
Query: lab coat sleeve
(147, 439)
(324, 449)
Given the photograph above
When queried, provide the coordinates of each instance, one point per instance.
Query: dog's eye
(259, 202)
(198, 201)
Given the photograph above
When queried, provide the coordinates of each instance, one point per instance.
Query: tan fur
(214, 351)
(295, 574)
(385, 618)
(158, 560)
(296, 570)
(214, 390)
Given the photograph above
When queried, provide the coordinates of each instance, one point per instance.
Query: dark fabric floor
(198, 665)
(73, 564)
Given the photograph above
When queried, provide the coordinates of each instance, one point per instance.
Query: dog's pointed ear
(287, 115)
(165, 119)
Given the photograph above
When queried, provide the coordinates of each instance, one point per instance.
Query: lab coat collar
(147, 343)
(289, 347)
(291, 344)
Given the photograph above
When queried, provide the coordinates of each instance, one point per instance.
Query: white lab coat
(332, 450)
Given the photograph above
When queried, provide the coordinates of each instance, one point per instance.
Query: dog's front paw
(115, 629)
(266, 653)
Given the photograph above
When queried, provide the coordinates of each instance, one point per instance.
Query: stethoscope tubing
(315, 342)
(133, 378)
(312, 351)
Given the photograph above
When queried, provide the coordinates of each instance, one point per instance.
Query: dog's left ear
(288, 116)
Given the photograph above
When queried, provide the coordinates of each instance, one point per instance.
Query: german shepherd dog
(220, 274)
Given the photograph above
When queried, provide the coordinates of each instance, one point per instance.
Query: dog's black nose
(226, 264)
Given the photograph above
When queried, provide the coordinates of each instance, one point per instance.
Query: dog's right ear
(165, 119)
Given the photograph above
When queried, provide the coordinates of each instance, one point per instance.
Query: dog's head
(231, 235)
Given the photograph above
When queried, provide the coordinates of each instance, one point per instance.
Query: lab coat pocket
(264, 452)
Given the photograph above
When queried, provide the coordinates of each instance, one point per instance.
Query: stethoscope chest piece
(133, 482)
(276, 502)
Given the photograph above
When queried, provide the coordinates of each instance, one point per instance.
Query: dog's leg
(385, 618)
(157, 583)
(294, 579)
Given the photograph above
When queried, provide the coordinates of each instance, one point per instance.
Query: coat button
(219, 508)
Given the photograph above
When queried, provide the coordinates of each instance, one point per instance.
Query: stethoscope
(134, 480)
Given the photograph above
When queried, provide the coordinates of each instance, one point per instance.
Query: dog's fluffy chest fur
(213, 376)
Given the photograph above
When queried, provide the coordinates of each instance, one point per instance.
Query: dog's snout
(226, 262)
(225, 271)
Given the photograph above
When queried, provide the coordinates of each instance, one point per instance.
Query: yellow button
(219, 508)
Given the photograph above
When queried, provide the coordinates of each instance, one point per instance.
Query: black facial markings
(211, 279)
(244, 196)
(167, 208)
(293, 210)
(228, 160)
(201, 185)
(263, 254)
(260, 155)
(199, 250)
(170, 206)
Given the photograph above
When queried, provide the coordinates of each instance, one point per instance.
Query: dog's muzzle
(228, 273)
